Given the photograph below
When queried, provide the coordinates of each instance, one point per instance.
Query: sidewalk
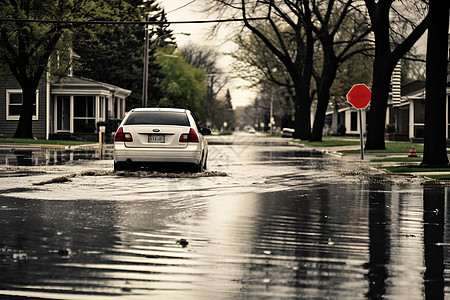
(356, 157)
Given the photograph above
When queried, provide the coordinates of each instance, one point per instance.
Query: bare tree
(390, 46)
(206, 59)
(290, 35)
(342, 33)
(288, 38)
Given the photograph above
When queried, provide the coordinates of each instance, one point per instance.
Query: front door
(63, 113)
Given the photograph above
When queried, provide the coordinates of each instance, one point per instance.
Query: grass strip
(396, 147)
(397, 159)
(438, 177)
(391, 147)
(408, 169)
(329, 143)
(224, 133)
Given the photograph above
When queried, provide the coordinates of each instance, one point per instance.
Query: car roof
(179, 110)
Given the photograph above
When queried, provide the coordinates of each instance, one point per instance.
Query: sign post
(359, 97)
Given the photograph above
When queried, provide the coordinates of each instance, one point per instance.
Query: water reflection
(289, 155)
(42, 157)
(433, 223)
(379, 243)
(320, 241)
(304, 248)
(24, 157)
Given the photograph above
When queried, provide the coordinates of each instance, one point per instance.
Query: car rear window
(157, 118)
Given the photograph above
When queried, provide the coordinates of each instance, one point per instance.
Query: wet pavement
(269, 220)
(37, 156)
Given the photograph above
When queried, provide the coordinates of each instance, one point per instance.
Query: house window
(353, 121)
(419, 118)
(84, 114)
(14, 104)
(419, 111)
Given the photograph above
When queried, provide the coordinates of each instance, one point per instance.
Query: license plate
(156, 138)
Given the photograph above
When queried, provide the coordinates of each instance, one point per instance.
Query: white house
(71, 106)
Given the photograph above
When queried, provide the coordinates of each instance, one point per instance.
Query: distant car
(252, 130)
(287, 132)
(160, 135)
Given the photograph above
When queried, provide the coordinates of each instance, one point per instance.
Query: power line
(106, 22)
(175, 9)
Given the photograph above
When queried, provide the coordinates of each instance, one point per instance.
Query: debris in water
(155, 174)
(126, 288)
(20, 256)
(61, 179)
(64, 252)
(183, 243)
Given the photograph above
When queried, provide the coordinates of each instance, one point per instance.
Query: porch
(78, 105)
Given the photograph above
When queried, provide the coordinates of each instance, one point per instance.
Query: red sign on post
(359, 96)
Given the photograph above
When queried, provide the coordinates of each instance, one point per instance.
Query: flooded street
(268, 220)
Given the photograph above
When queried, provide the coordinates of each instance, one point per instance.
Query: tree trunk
(319, 119)
(435, 150)
(302, 118)
(323, 94)
(381, 80)
(24, 128)
(385, 61)
(378, 106)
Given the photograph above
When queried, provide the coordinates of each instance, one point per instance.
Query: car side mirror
(205, 131)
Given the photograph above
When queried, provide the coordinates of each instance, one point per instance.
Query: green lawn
(223, 133)
(330, 143)
(439, 177)
(398, 159)
(43, 142)
(408, 169)
(392, 147)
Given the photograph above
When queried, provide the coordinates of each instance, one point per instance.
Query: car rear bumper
(190, 154)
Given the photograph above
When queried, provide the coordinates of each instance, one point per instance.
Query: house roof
(80, 85)
(412, 87)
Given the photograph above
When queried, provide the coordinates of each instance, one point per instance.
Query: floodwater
(270, 221)
(42, 157)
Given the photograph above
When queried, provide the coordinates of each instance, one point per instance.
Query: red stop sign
(359, 96)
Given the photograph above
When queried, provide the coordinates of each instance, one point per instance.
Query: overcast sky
(240, 95)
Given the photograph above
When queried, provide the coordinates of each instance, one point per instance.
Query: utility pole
(146, 49)
(271, 113)
(145, 75)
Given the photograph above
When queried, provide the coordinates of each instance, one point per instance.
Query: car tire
(120, 166)
(198, 168)
(205, 162)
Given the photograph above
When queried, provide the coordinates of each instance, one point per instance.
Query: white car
(287, 132)
(160, 135)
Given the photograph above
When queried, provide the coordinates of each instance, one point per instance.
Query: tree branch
(409, 42)
(284, 57)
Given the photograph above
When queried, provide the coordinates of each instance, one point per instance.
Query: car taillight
(123, 136)
(191, 137)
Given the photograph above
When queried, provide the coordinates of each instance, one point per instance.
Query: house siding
(43, 125)
(8, 127)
